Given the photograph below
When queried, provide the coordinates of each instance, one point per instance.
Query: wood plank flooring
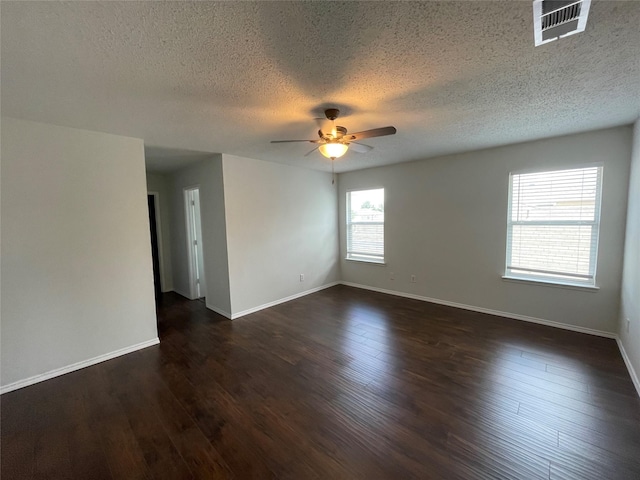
(341, 384)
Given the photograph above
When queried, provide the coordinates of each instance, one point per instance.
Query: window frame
(363, 257)
(548, 277)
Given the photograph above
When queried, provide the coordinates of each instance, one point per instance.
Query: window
(553, 224)
(365, 225)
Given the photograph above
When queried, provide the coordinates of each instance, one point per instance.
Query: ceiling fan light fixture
(333, 150)
(336, 143)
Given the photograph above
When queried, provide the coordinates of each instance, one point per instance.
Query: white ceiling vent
(553, 19)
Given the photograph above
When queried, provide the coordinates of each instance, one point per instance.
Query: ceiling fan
(335, 143)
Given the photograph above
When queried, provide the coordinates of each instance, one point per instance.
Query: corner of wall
(45, 328)
(629, 319)
(280, 223)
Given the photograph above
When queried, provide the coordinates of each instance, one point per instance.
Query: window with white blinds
(553, 225)
(365, 225)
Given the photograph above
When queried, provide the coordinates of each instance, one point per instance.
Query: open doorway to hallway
(154, 226)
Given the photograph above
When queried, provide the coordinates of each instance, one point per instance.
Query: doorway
(194, 243)
(155, 250)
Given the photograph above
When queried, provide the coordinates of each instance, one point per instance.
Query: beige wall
(446, 224)
(77, 278)
(281, 222)
(630, 298)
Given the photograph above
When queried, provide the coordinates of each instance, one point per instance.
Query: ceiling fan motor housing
(332, 113)
(340, 131)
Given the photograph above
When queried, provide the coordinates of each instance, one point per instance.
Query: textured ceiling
(228, 77)
(165, 160)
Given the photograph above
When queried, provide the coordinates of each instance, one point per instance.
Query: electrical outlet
(302, 277)
(628, 324)
(392, 276)
(413, 279)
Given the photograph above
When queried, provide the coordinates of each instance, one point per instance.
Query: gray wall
(207, 174)
(77, 278)
(446, 224)
(158, 183)
(76, 259)
(281, 222)
(630, 303)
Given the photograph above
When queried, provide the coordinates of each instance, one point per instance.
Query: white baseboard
(123, 351)
(219, 311)
(233, 316)
(76, 366)
(515, 316)
(282, 300)
(627, 362)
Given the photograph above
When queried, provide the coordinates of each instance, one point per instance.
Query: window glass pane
(561, 195)
(365, 225)
(367, 205)
(367, 238)
(553, 225)
(560, 248)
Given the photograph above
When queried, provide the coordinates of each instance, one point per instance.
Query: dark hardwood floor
(341, 384)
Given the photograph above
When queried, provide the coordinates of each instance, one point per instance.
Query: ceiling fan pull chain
(333, 172)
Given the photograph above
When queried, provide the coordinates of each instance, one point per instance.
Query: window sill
(371, 262)
(550, 283)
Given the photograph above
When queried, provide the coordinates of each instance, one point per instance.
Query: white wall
(630, 303)
(77, 278)
(446, 223)
(158, 183)
(281, 222)
(207, 174)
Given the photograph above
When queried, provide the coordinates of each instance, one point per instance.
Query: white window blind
(553, 225)
(365, 225)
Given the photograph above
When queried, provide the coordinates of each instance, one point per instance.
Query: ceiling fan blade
(309, 153)
(289, 141)
(359, 147)
(376, 132)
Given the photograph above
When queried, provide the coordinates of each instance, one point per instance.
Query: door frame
(194, 287)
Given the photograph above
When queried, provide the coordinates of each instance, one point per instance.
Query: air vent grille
(553, 19)
(563, 15)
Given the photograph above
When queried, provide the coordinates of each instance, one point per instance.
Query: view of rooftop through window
(553, 224)
(365, 225)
